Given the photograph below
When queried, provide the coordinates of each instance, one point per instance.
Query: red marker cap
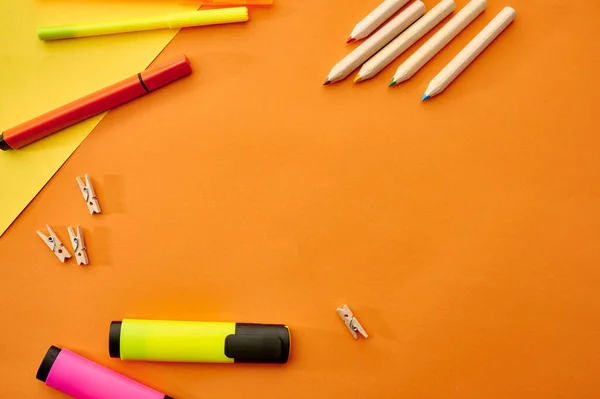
(158, 76)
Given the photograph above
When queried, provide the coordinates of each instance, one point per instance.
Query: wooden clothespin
(55, 244)
(89, 195)
(351, 322)
(78, 244)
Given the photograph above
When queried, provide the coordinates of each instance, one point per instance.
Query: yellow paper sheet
(36, 77)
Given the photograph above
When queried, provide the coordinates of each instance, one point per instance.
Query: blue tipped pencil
(470, 52)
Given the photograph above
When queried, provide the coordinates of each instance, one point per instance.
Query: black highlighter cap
(3, 144)
(258, 343)
(114, 340)
(47, 363)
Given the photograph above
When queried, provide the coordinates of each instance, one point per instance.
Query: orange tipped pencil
(95, 103)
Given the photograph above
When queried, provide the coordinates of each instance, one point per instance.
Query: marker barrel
(203, 342)
(95, 103)
(81, 378)
(175, 21)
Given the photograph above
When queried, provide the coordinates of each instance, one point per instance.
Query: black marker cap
(3, 144)
(258, 343)
(47, 363)
(114, 340)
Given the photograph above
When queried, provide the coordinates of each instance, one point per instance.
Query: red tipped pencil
(377, 17)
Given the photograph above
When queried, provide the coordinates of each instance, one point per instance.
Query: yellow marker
(194, 341)
(175, 21)
(237, 2)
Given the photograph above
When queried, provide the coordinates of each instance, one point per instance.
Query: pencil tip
(327, 82)
(425, 97)
(350, 40)
(392, 83)
(357, 78)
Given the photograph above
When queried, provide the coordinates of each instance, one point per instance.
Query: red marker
(95, 103)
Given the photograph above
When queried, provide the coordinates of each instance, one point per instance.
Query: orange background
(463, 232)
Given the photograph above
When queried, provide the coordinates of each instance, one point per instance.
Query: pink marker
(81, 378)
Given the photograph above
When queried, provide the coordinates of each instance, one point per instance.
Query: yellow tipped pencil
(174, 21)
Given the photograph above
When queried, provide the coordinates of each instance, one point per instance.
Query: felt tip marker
(81, 378)
(201, 342)
(95, 103)
(176, 21)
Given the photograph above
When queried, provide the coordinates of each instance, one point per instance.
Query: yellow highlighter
(175, 21)
(200, 342)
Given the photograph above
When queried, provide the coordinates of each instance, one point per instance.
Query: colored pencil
(400, 44)
(470, 52)
(373, 44)
(438, 41)
(378, 16)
